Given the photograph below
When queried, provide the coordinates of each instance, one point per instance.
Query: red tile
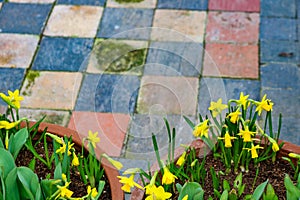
(231, 60)
(111, 129)
(235, 27)
(235, 5)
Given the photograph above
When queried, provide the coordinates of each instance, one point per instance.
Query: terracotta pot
(199, 145)
(110, 171)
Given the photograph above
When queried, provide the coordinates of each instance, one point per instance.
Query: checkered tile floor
(118, 68)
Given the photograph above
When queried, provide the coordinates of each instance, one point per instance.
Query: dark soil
(76, 185)
(274, 172)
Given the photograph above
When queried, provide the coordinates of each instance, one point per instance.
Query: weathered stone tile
(286, 29)
(183, 4)
(23, 17)
(108, 93)
(236, 27)
(279, 51)
(142, 126)
(82, 2)
(174, 59)
(231, 60)
(78, 21)
(17, 50)
(10, 79)
(278, 8)
(235, 5)
(33, 1)
(118, 56)
(168, 95)
(63, 54)
(141, 4)
(51, 90)
(183, 25)
(111, 128)
(126, 23)
(54, 117)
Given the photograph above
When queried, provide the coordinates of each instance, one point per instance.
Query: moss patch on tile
(129, 1)
(118, 56)
(30, 79)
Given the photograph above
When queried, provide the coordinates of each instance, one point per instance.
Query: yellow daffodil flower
(159, 193)
(201, 129)
(234, 116)
(253, 150)
(243, 100)
(181, 159)
(128, 183)
(186, 197)
(64, 177)
(93, 138)
(194, 162)
(246, 134)
(13, 99)
(93, 192)
(227, 139)
(151, 186)
(265, 104)
(294, 155)
(217, 107)
(75, 161)
(275, 146)
(62, 149)
(8, 125)
(64, 191)
(115, 163)
(168, 177)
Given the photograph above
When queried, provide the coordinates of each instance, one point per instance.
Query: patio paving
(117, 68)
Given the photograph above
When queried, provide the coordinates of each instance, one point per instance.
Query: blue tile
(62, 54)
(108, 93)
(279, 51)
(278, 29)
(286, 102)
(278, 8)
(174, 59)
(126, 23)
(10, 79)
(183, 4)
(211, 89)
(83, 2)
(23, 18)
(285, 76)
(290, 129)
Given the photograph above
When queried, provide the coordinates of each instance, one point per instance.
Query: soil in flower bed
(275, 172)
(76, 185)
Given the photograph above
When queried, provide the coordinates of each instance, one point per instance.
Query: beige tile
(178, 25)
(17, 50)
(74, 21)
(51, 90)
(142, 4)
(53, 117)
(115, 50)
(32, 1)
(168, 95)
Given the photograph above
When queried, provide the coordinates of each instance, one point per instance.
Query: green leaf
(190, 123)
(270, 193)
(193, 190)
(292, 192)
(48, 187)
(17, 141)
(7, 162)
(224, 195)
(29, 182)
(178, 187)
(226, 185)
(100, 188)
(259, 190)
(2, 191)
(12, 189)
(58, 171)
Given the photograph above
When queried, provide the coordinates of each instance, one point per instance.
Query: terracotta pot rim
(111, 172)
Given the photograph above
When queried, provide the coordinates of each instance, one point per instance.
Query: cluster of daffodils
(22, 183)
(237, 138)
